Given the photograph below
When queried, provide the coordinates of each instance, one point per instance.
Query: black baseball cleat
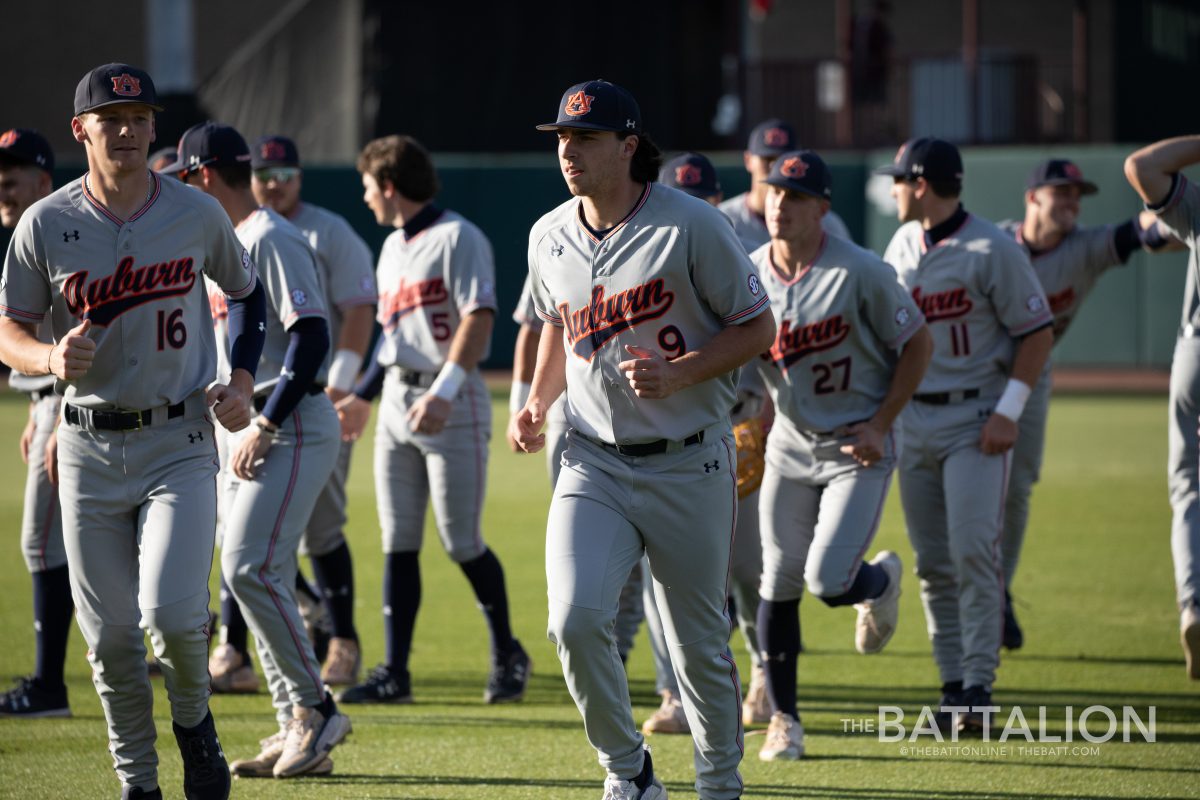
(952, 695)
(973, 721)
(138, 793)
(383, 685)
(205, 772)
(1014, 637)
(31, 699)
(509, 676)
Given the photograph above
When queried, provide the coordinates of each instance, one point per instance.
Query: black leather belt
(946, 398)
(411, 377)
(260, 401)
(641, 449)
(119, 420)
(1188, 331)
(41, 394)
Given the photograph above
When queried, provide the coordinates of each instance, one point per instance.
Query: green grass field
(1095, 596)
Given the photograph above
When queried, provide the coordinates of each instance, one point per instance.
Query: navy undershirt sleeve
(247, 322)
(371, 383)
(308, 344)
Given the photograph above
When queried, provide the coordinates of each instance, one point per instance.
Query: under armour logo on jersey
(711, 466)
(198, 436)
(126, 85)
(795, 167)
(262, 327)
(69, 236)
(556, 249)
(578, 104)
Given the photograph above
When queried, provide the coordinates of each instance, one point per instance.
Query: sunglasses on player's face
(277, 174)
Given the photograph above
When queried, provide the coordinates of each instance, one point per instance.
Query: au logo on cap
(8, 138)
(775, 137)
(126, 85)
(794, 167)
(273, 151)
(578, 104)
(1072, 171)
(687, 175)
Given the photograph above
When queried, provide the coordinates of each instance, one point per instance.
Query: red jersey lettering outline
(950, 304)
(105, 299)
(408, 297)
(590, 328)
(792, 344)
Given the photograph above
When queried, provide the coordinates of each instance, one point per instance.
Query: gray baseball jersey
(1180, 212)
(138, 281)
(751, 228)
(978, 292)
(687, 279)
(346, 264)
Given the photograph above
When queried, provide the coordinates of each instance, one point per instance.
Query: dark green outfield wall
(1129, 321)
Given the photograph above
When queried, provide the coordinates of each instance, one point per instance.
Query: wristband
(518, 396)
(1012, 402)
(270, 433)
(448, 381)
(343, 370)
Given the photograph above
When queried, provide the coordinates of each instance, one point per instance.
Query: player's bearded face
(20, 187)
(590, 160)
(1058, 207)
(119, 137)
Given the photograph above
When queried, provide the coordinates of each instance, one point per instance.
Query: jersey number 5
(171, 330)
(832, 377)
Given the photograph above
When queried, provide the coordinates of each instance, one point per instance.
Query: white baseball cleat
(263, 764)
(669, 718)
(785, 739)
(617, 789)
(229, 673)
(877, 617)
(310, 737)
(757, 708)
(1189, 637)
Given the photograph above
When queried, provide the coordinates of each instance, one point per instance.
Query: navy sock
(870, 582)
(52, 610)
(303, 587)
(401, 599)
(335, 578)
(233, 624)
(779, 639)
(487, 579)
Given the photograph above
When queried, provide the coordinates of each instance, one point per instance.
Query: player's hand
(71, 357)
(649, 374)
(354, 413)
(428, 414)
(335, 395)
(249, 454)
(868, 445)
(525, 427)
(231, 405)
(50, 455)
(998, 436)
(27, 433)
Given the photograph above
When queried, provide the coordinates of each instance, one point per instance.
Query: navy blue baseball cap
(26, 147)
(771, 139)
(1060, 172)
(274, 151)
(691, 173)
(925, 157)
(597, 106)
(208, 144)
(110, 84)
(802, 171)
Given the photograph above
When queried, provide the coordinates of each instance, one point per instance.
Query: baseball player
(1068, 260)
(1155, 172)
(26, 164)
(279, 464)
(652, 305)
(115, 260)
(437, 304)
(992, 332)
(850, 350)
(767, 141)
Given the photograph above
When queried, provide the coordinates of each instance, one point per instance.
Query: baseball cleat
(877, 617)
(342, 663)
(785, 739)
(138, 793)
(383, 685)
(311, 734)
(31, 699)
(205, 772)
(644, 787)
(757, 708)
(943, 719)
(974, 721)
(509, 676)
(230, 672)
(317, 624)
(263, 764)
(1013, 636)
(669, 718)
(1189, 637)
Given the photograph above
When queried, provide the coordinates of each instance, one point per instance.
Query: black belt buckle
(411, 377)
(121, 421)
(946, 398)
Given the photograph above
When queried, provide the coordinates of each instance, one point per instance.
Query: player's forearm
(471, 340)
(550, 374)
(728, 350)
(525, 354)
(1031, 356)
(355, 332)
(20, 348)
(910, 369)
(1150, 169)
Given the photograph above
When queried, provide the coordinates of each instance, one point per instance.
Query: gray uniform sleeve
(472, 276)
(352, 269)
(25, 285)
(1015, 291)
(1180, 212)
(723, 274)
(227, 261)
(290, 272)
(525, 313)
(543, 303)
(888, 309)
